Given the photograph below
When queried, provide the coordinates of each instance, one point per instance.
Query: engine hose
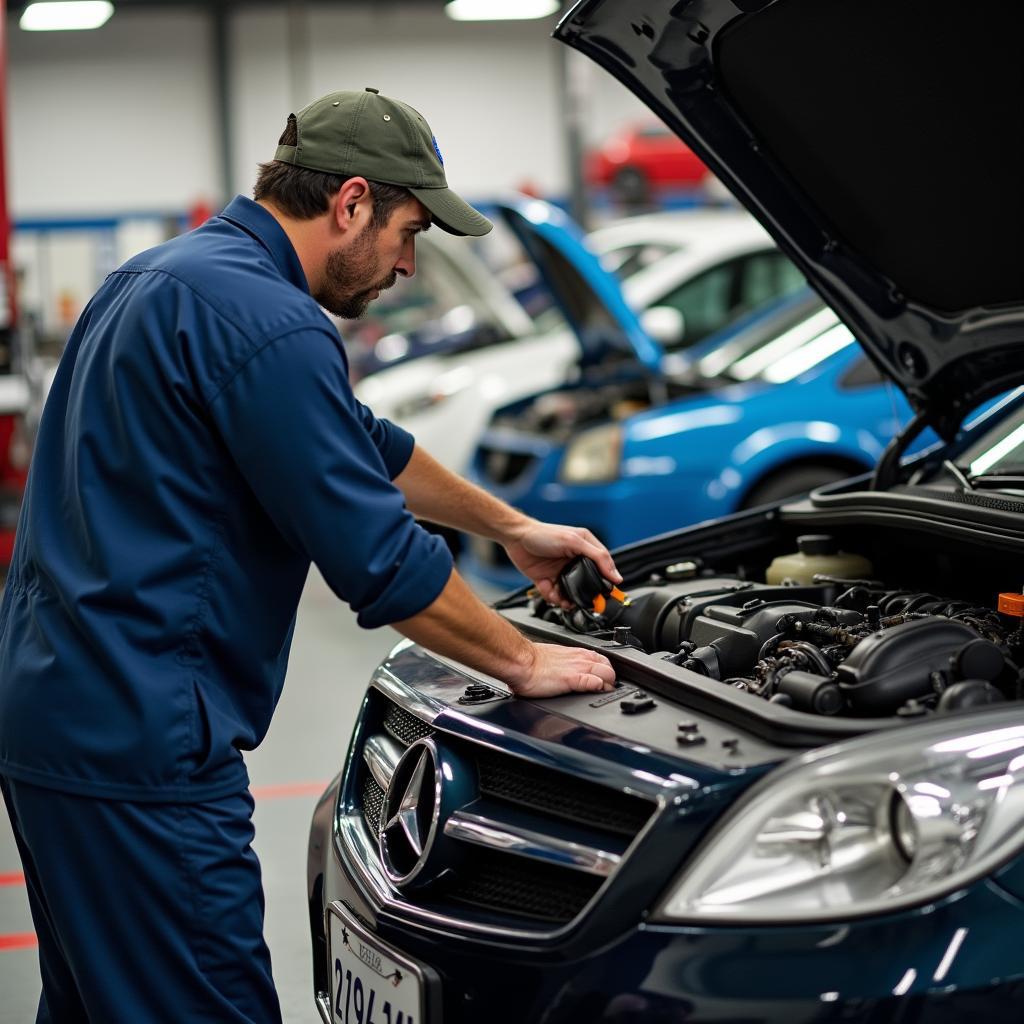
(811, 654)
(768, 647)
(845, 635)
(826, 615)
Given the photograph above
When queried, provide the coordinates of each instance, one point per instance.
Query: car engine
(828, 645)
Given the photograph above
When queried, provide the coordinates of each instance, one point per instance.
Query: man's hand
(556, 670)
(540, 550)
(459, 626)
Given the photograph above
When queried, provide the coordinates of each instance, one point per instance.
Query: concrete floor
(330, 663)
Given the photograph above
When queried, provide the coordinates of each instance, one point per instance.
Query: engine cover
(907, 661)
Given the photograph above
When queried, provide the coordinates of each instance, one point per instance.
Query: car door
(717, 297)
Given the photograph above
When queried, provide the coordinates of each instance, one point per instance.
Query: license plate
(370, 982)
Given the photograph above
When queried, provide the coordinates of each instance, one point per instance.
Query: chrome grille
(561, 796)
(373, 804)
(523, 888)
(406, 728)
(537, 844)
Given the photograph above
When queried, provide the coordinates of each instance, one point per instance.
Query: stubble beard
(345, 291)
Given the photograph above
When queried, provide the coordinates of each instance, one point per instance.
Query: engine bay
(567, 410)
(611, 396)
(812, 640)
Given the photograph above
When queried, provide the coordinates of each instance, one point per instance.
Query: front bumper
(882, 970)
(935, 964)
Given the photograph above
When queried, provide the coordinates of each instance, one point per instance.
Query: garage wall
(121, 120)
(116, 119)
(487, 90)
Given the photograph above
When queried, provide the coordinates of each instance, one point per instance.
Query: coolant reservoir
(817, 553)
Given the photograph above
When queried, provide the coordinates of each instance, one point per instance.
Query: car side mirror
(664, 324)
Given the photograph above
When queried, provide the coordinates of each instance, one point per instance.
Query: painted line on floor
(18, 940)
(12, 878)
(287, 789)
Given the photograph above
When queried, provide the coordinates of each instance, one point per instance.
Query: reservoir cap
(816, 544)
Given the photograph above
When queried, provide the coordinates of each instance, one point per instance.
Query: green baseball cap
(372, 136)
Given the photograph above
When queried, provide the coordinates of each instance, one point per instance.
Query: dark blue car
(804, 801)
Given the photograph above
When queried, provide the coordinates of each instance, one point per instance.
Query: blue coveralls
(200, 447)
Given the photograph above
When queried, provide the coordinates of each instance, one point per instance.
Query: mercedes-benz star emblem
(410, 812)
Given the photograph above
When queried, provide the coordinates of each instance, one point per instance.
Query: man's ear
(353, 204)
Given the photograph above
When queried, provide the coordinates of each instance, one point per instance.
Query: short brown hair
(305, 194)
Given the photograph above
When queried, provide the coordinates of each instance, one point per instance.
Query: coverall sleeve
(303, 443)
(394, 444)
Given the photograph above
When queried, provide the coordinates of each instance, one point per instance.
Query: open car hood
(880, 143)
(589, 296)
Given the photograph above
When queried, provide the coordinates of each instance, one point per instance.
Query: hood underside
(588, 295)
(881, 143)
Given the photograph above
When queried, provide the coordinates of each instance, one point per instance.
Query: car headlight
(593, 457)
(864, 827)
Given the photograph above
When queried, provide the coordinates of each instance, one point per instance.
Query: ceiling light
(499, 10)
(63, 16)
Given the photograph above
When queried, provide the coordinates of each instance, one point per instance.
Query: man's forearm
(435, 493)
(460, 626)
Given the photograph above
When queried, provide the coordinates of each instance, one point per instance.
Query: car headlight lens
(865, 827)
(593, 457)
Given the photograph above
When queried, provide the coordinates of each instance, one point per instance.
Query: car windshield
(997, 458)
(625, 260)
(779, 348)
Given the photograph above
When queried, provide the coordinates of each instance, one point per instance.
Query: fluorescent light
(499, 10)
(65, 15)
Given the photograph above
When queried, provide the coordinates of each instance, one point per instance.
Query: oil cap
(816, 544)
(1012, 604)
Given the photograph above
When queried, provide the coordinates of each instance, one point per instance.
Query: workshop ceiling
(17, 6)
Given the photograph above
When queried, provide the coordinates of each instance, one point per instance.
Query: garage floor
(330, 663)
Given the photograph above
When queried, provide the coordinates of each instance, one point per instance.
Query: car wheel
(632, 187)
(788, 483)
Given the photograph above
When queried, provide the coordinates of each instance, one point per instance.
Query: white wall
(122, 119)
(121, 122)
(112, 120)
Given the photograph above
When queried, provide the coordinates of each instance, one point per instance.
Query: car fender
(772, 449)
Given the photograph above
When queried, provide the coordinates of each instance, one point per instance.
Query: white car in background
(687, 274)
(453, 302)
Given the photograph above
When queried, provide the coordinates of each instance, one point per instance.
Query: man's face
(356, 274)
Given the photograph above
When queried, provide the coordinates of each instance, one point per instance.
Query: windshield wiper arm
(965, 481)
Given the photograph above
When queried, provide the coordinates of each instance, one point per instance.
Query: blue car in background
(777, 404)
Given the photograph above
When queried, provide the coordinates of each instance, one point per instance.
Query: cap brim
(452, 213)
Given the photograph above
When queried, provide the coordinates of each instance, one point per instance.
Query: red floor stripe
(22, 940)
(12, 878)
(287, 789)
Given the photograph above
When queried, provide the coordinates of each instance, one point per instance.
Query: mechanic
(200, 447)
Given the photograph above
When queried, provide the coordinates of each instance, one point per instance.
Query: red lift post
(13, 388)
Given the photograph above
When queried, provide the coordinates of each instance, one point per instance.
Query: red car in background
(642, 159)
